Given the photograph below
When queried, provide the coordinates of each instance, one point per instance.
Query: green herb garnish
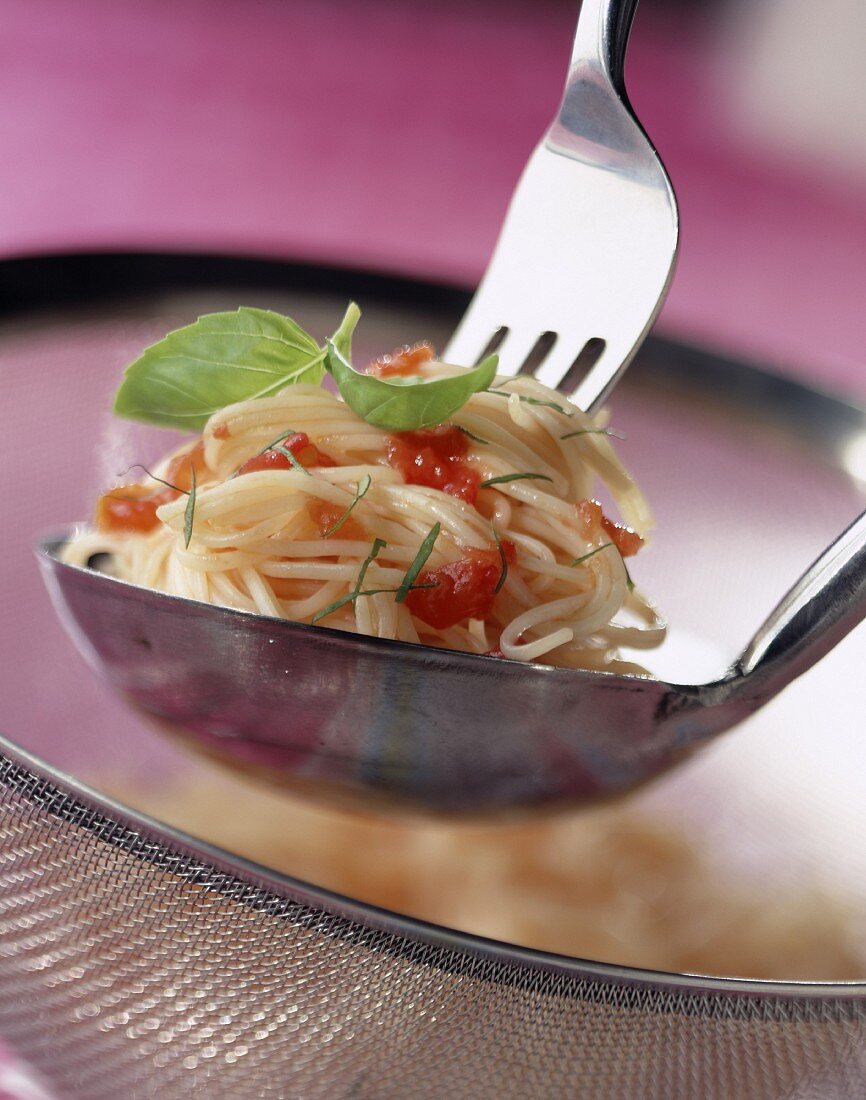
(378, 544)
(472, 436)
(363, 485)
(359, 590)
(628, 581)
(502, 559)
(286, 453)
(593, 431)
(591, 554)
(403, 408)
(513, 477)
(498, 392)
(221, 358)
(224, 358)
(189, 511)
(424, 552)
(153, 477)
(342, 338)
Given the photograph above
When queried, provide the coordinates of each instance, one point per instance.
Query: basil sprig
(405, 408)
(224, 358)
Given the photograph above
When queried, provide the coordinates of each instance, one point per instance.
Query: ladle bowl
(348, 716)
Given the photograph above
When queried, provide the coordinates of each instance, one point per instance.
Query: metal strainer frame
(137, 961)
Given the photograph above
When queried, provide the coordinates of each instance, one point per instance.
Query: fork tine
(515, 349)
(592, 391)
(471, 338)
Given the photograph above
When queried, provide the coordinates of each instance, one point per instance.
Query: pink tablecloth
(390, 135)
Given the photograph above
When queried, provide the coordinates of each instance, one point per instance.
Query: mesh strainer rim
(91, 801)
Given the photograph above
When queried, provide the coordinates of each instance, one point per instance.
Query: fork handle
(826, 603)
(602, 36)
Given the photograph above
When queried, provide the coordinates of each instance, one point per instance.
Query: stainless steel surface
(364, 714)
(137, 962)
(587, 249)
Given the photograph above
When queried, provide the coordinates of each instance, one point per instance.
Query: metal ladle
(345, 716)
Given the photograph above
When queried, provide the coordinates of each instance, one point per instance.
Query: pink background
(390, 135)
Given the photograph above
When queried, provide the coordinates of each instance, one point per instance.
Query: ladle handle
(826, 603)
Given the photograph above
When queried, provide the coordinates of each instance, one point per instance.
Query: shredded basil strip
(153, 477)
(378, 544)
(363, 485)
(532, 401)
(593, 431)
(335, 606)
(475, 438)
(513, 477)
(424, 552)
(591, 554)
(276, 442)
(189, 511)
(288, 454)
(502, 558)
(274, 445)
(629, 583)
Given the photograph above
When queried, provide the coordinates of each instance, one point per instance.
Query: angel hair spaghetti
(426, 503)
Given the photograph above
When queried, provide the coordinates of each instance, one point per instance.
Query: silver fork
(587, 249)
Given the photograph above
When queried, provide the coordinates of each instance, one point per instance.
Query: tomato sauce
(435, 457)
(325, 515)
(403, 362)
(132, 508)
(179, 469)
(625, 539)
(464, 589)
(293, 588)
(307, 454)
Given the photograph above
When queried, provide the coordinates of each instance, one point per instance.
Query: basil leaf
(403, 408)
(221, 358)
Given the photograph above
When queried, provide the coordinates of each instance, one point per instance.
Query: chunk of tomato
(130, 509)
(625, 539)
(307, 454)
(435, 457)
(463, 589)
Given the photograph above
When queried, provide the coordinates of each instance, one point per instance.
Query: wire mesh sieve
(134, 965)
